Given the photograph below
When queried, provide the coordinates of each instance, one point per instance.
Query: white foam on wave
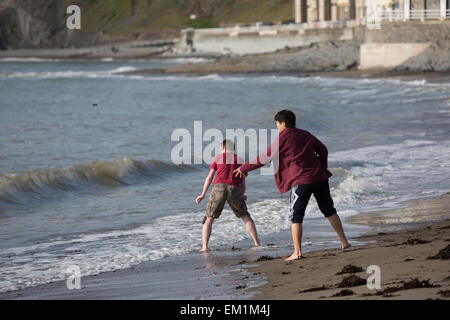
(325, 81)
(123, 69)
(423, 99)
(30, 59)
(406, 169)
(118, 73)
(339, 81)
(189, 60)
(224, 78)
(69, 74)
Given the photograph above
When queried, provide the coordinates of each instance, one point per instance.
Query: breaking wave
(16, 188)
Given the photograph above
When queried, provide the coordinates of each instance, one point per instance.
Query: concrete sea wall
(262, 39)
(411, 45)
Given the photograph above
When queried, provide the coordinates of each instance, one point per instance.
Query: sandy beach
(413, 262)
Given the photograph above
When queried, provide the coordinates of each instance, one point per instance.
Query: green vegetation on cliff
(129, 16)
(41, 22)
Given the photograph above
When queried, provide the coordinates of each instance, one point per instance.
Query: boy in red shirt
(302, 167)
(227, 187)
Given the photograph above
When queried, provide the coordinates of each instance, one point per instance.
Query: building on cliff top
(338, 10)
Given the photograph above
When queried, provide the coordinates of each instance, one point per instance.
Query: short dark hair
(286, 116)
(227, 144)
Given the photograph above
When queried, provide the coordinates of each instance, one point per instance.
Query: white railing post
(443, 8)
(406, 9)
(297, 11)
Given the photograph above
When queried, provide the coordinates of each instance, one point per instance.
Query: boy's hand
(199, 199)
(238, 173)
(245, 197)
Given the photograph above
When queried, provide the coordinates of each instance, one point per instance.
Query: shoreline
(263, 274)
(431, 76)
(402, 255)
(193, 276)
(126, 50)
(284, 62)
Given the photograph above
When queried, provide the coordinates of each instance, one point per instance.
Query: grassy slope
(267, 10)
(116, 17)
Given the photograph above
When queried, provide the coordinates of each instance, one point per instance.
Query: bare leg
(297, 233)
(335, 222)
(206, 232)
(251, 228)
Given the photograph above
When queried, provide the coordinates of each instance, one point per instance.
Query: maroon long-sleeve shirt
(302, 159)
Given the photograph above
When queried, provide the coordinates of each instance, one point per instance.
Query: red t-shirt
(224, 164)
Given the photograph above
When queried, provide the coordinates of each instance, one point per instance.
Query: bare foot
(348, 245)
(204, 250)
(294, 256)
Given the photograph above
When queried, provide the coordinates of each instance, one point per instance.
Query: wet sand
(194, 276)
(403, 256)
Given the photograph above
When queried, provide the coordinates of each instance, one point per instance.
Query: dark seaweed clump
(323, 287)
(352, 281)
(350, 269)
(343, 293)
(264, 258)
(414, 241)
(444, 254)
(445, 293)
(411, 284)
(416, 283)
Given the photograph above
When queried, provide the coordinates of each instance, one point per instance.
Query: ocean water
(87, 179)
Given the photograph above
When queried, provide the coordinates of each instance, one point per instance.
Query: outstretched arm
(260, 161)
(206, 185)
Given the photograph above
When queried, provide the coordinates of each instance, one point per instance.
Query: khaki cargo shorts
(232, 194)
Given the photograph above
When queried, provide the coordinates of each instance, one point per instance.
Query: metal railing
(380, 15)
(392, 15)
(425, 14)
(414, 14)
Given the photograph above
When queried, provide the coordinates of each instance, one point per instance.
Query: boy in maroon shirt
(301, 163)
(227, 187)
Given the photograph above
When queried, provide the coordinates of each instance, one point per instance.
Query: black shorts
(300, 195)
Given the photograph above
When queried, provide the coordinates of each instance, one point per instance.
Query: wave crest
(40, 183)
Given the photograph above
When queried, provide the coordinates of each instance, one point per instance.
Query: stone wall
(261, 40)
(411, 46)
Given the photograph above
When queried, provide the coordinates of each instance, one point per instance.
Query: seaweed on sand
(443, 254)
(343, 293)
(445, 293)
(313, 289)
(413, 283)
(350, 269)
(414, 241)
(352, 281)
(264, 258)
